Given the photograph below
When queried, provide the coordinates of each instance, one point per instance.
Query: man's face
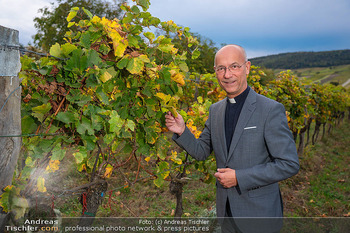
(234, 79)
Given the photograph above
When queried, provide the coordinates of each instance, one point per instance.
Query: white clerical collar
(232, 100)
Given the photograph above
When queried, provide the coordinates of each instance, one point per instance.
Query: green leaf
(88, 13)
(183, 66)
(144, 4)
(76, 60)
(55, 50)
(67, 48)
(58, 153)
(80, 155)
(108, 74)
(150, 36)
(135, 65)
(163, 169)
(102, 95)
(151, 136)
(108, 138)
(130, 125)
(85, 39)
(155, 21)
(116, 122)
(135, 9)
(28, 125)
(29, 162)
(134, 41)
(85, 126)
(162, 147)
(123, 63)
(40, 111)
(158, 182)
(196, 54)
(105, 76)
(89, 141)
(162, 173)
(66, 117)
(166, 47)
(4, 198)
(92, 59)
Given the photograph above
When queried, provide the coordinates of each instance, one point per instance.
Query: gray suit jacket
(262, 152)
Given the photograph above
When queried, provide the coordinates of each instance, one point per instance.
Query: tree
(205, 51)
(52, 25)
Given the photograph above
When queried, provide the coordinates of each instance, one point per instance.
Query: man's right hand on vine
(175, 124)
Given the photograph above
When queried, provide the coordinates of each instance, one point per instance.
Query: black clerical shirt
(232, 114)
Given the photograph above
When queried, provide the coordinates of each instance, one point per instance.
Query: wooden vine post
(10, 102)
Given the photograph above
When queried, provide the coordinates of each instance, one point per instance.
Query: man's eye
(234, 67)
(221, 68)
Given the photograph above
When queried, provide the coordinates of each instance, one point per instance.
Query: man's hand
(175, 124)
(226, 177)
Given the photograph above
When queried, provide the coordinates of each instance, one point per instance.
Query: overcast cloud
(262, 27)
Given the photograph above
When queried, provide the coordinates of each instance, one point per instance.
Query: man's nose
(227, 73)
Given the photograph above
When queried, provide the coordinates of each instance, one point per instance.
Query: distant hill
(303, 59)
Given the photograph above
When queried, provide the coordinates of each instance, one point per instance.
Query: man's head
(232, 68)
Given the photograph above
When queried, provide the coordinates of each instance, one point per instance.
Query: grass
(321, 187)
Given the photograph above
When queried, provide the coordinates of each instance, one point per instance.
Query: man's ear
(248, 64)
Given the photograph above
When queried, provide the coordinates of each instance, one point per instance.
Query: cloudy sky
(263, 27)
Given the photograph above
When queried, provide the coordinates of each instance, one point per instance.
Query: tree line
(303, 59)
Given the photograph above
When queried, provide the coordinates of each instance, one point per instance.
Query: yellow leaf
(163, 97)
(174, 50)
(179, 78)
(119, 48)
(144, 58)
(71, 15)
(108, 172)
(41, 184)
(96, 19)
(170, 22)
(119, 44)
(105, 77)
(53, 166)
(148, 159)
(174, 112)
(136, 64)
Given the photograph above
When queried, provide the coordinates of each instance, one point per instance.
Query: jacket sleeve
(199, 148)
(281, 149)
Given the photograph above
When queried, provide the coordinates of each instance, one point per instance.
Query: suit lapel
(247, 111)
(221, 124)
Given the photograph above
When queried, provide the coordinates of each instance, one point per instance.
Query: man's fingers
(222, 170)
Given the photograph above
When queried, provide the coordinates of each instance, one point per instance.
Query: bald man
(252, 143)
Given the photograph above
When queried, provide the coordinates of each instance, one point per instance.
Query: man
(251, 140)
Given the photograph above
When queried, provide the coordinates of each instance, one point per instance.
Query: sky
(262, 27)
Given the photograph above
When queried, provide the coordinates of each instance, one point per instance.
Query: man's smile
(229, 82)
